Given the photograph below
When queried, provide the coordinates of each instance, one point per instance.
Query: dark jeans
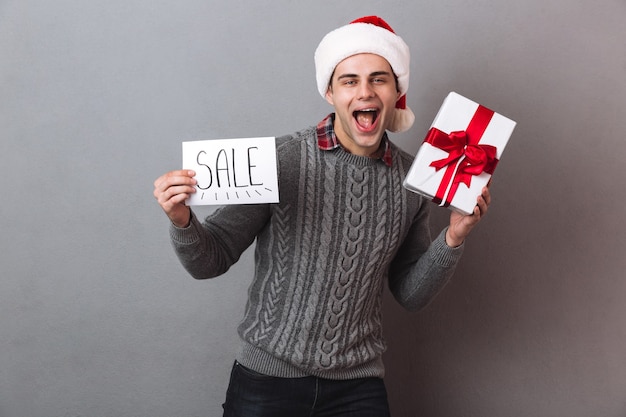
(251, 394)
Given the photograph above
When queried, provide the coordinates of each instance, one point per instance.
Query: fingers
(482, 202)
(171, 190)
(174, 188)
(179, 177)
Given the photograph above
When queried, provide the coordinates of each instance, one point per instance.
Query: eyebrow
(373, 74)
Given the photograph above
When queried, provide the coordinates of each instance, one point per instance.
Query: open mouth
(366, 118)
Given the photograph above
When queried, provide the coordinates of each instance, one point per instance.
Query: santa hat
(369, 34)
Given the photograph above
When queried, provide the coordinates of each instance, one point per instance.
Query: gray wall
(97, 319)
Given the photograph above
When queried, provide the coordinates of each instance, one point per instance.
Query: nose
(365, 90)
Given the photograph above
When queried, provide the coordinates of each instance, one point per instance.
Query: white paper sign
(232, 171)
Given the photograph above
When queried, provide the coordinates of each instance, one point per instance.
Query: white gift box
(459, 154)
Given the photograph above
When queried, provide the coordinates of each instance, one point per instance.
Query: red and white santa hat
(369, 34)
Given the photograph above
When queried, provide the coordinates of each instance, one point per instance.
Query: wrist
(184, 222)
(452, 240)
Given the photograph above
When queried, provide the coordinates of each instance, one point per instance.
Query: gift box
(459, 154)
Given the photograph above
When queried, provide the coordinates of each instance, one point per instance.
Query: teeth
(366, 111)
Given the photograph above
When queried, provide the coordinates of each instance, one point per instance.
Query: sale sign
(232, 171)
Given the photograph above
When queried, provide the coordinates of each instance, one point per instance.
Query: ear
(329, 96)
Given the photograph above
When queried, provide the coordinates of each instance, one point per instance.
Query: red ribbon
(465, 151)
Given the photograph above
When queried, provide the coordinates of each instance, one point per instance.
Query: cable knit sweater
(344, 226)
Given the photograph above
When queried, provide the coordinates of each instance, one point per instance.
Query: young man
(311, 335)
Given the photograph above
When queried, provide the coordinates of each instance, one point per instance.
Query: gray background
(97, 318)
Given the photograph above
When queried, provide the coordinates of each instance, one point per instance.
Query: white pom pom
(402, 120)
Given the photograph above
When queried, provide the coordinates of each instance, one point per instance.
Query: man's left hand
(461, 225)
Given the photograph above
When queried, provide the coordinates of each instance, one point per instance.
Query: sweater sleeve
(422, 268)
(208, 249)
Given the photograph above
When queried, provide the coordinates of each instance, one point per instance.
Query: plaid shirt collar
(327, 140)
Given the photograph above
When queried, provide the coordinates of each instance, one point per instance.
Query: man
(311, 336)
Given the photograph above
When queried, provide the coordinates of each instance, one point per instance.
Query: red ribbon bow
(478, 158)
(463, 150)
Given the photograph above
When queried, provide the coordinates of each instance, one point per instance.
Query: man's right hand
(171, 190)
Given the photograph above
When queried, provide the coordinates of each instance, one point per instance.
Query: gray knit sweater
(344, 226)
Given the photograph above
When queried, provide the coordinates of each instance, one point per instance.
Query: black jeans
(251, 394)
